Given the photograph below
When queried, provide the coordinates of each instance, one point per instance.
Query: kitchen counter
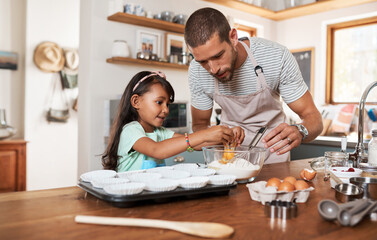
(49, 214)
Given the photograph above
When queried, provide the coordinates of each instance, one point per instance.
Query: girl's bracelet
(189, 148)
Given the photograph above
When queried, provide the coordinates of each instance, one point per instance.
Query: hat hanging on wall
(49, 57)
(70, 70)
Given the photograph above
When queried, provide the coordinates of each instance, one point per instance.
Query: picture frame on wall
(305, 60)
(174, 44)
(8, 60)
(148, 41)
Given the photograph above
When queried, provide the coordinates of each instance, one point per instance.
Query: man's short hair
(203, 24)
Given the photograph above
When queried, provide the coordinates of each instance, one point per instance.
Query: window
(245, 31)
(351, 60)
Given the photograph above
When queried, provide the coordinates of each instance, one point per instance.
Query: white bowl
(341, 172)
(245, 165)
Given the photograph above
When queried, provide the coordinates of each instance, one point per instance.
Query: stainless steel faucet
(359, 153)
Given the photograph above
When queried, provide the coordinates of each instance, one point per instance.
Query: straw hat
(49, 57)
(71, 61)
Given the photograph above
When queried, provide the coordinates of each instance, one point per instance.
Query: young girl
(138, 140)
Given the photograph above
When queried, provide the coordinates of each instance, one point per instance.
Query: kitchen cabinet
(150, 23)
(12, 165)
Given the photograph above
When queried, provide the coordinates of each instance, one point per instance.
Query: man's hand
(283, 138)
(238, 135)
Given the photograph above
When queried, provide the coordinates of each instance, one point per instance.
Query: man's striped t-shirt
(279, 67)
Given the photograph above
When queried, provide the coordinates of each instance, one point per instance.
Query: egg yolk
(228, 154)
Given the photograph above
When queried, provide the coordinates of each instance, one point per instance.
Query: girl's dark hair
(203, 23)
(127, 113)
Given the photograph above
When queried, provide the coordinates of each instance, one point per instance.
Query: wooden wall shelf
(147, 22)
(123, 60)
(316, 7)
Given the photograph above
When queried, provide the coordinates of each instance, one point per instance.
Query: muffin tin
(157, 190)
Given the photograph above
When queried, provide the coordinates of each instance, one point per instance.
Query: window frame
(329, 96)
(251, 30)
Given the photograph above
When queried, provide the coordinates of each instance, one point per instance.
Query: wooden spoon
(202, 229)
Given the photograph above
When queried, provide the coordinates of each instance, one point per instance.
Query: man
(246, 78)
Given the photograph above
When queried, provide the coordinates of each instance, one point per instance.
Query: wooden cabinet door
(8, 171)
(12, 165)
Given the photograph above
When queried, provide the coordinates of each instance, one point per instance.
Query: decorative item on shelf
(180, 19)
(49, 57)
(120, 49)
(6, 131)
(139, 10)
(167, 16)
(148, 42)
(129, 8)
(175, 45)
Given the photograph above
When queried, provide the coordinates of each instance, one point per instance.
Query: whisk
(230, 154)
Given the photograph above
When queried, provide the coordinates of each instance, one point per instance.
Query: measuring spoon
(345, 215)
(328, 209)
(355, 219)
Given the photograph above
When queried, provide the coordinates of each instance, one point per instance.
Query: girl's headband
(153, 73)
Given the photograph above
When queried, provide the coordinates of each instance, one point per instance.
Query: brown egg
(310, 174)
(302, 174)
(286, 186)
(290, 179)
(307, 174)
(273, 182)
(301, 184)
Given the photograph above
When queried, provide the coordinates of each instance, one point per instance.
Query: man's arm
(201, 119)
(289, 136)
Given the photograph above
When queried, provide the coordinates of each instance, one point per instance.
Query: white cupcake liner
(101, 183)
(97, 174)
(144, 177)
(221, 179)
(125, 189)
(193, 182)
(185, 166)
(175, 174)
(161, 185)
(128, 173)
(259, 192)
(159, 169)
(203, 172)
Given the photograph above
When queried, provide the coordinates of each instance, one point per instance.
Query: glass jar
(336, 159)
(6, 131)
(372, 149)
(120, 49)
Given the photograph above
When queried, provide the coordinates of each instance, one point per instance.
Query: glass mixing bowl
(245, 164)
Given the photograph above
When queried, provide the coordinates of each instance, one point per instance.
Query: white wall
(52, 148)
(100, 81)
(12, 29)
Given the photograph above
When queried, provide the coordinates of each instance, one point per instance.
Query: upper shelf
(147, 22)
(316, 7)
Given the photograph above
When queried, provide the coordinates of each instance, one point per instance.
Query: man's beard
(230, 70)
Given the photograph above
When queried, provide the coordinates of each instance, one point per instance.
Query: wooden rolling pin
(202, 229)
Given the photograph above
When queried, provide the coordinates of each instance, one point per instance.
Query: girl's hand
(238, 135)
(218, 133)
